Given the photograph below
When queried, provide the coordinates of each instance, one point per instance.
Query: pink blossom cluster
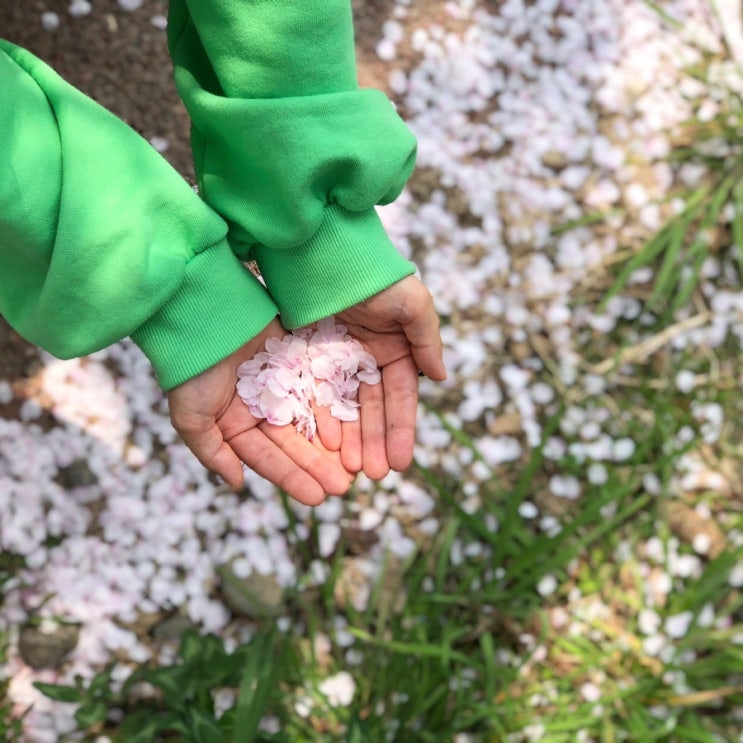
(322, 366)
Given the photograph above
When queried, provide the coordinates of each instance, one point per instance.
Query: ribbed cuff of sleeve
(349, 259)
(218, 307)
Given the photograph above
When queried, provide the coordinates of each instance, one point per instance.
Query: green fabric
(268, 48)
(217, 308)
(100, 238)
(315, 269)
(288, 149)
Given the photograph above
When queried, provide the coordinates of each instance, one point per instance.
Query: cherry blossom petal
(323, 366)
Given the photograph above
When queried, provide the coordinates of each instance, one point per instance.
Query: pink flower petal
(324, 366)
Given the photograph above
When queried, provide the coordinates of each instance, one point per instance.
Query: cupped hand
(220, 430)
(400, 328)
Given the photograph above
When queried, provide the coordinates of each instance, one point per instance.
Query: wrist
(218, 307)
(349, 259)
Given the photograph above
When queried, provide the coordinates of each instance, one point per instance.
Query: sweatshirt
(101, 239)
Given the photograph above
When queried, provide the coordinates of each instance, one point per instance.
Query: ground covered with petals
(563, 562)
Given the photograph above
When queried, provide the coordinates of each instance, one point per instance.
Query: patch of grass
(475, 648)
(10, 724)
(709, 221)
(182, 706)
(502, 629)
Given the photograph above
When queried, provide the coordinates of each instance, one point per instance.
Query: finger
(215, 454)
(373, 431)
(424, 335)
(322, 465)
(351, 449)
(263, 455)
(336, 458)
(400, 380)
(417, 316)
(328, 428)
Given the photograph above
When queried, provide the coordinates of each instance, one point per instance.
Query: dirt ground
(120, 59)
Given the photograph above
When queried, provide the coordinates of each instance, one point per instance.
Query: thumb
(217, 455)
(410, 304)
(206, 442)
(423, 334)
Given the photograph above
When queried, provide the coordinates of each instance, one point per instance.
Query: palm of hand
(399, 327)
(222, 433)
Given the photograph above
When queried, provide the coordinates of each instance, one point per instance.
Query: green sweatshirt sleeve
(100, 238)
(289, 150)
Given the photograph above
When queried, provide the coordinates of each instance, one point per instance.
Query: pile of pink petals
(322, 366)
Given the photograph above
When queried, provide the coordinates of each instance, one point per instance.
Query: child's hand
(221, 432)
(399, 326)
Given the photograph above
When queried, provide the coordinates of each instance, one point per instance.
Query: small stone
(78, 474)
(703, 534)
(6, 392)
(648, 621)
(555, 159)
(47, 644)
(686, 381)
(590, 692)
(623, 449)
(735, 579)
(701, 543)
(508, 424)
(172, 628)
(144, 622)
(527, 510)
(339, 689)
(256, 597)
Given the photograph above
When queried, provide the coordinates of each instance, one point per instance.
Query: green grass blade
(255, 687)
(667, 275)
(587, 220)
(444, 653)
(654, 247)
